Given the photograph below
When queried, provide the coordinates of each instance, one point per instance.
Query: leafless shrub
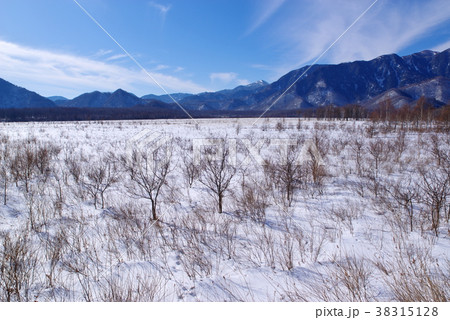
(133, 288)
(22, 165)
(253, 201)
(75, 168)
(345, 280)
(99, 178)
(227, 231)
(45, 153)
(414, 276)
(404, 192)
(195, 261)
(357, 147)
(285, 173)
(5, 163)
(266, 243)
(317, 171)
(377, 149)
(400, 144)
(435, 185)
(440, 154)
(287, 252)
(280, 126)
(18, 265)
(191, 170)
(321, 142)
(345, 214)
(55, 247)
(315, 240)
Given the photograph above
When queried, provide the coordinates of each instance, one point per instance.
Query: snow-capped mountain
(400, 79)
(423, 73)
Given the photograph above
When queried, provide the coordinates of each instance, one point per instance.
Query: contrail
(315, 61)
(132, 58)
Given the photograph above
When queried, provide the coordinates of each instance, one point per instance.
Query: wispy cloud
(224, 77)
(388, 27)
(161, 67)
(266, 8)
(116, 57)
(442, 46)
(102, 53)
(163, 9)
(51, 73)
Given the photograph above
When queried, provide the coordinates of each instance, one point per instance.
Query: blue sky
(53, 48)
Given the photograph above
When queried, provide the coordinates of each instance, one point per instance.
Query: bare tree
(358, 147)
(190, 169)
(435, 185)
(100, 177)
(404, 193)
(23, 164)
(286, 172)
(376, 149)
(217, 171)
(149, 173)
(439, 153)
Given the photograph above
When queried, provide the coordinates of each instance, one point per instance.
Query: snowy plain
(339, 230)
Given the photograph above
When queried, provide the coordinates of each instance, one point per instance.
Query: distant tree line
(421, 111)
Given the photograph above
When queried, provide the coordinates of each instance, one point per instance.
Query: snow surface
(301, 252)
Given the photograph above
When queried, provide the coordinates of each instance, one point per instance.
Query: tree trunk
(220, 203)
(154, 217)
(103, 200)
(411, 214)
(5, 187)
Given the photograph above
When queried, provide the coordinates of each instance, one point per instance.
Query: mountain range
(368, 83)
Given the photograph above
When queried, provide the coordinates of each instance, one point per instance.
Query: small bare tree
(17, 268)
(435, 185)
(285, 172)
(4, 165)
(149, 173)
(217, 171)
(23, 164)
(190, 169)
(376, 149)
(357, 147)
(100, 177)
(404, 193)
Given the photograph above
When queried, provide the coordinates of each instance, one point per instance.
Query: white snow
(308, 251)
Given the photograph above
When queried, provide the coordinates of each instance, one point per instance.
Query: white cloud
(116, 57)
(442, 46)
(163, 9)
(224, 77)
(388, 27)
(102, 53)
(161, 67)
(50, 73)
(242, 82)
(266, 8)
(227, 79)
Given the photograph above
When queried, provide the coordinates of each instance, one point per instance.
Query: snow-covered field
(312, 211)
